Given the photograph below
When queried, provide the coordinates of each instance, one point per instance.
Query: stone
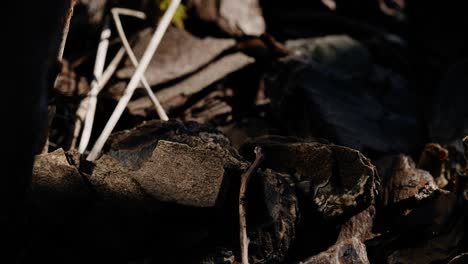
(330, 88)
(402, 181)
(344, 252)
(272, 215)
(179, 173)
(434, 160)
(178, 55)
(177, 94)
(335, 181)
(183, 163)
(234, 18)
(53, 174)
(359, 226)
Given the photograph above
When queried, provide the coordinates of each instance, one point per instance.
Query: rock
(345, 251)
(235, 18)
(359, 226)
(244, 16)
(178, 94)
(402, 181)
(330, 51)
(53, 177)
(334, 180)
(172, 161)
(179, 173)
(434, 160)
(318, 92)
(153, 185)
(272, 214)
(178, 55)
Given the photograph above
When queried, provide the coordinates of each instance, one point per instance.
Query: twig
(111, 68)
(132, 85)
(83, 107)
(465, 145)
(66, 28)
(118, 24)
(244, 243)
(92, 96)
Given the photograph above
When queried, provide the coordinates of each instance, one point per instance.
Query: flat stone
(330, 88)
(179, 173)
(179, 54)
(344, 252)
(214, 72)
(184, 163)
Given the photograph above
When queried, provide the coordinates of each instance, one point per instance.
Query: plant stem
(132, 85)
(92, 96)
(118, 24)
(244, 241)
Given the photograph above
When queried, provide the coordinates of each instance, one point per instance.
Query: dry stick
(465, 145)
(244, 243)
(118, 24)
(66, 28)
(132, 85)
(83, 107)
(111, 68)
(92, 96)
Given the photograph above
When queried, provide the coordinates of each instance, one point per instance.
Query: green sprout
(179, 16)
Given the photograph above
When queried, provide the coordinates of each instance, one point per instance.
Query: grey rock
(178, 55)
(235, 18)
(272, 217)
(330, 88)
(335, 180)
(344, 252)
(172, 161)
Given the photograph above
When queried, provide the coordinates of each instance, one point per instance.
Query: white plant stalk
(118, 24)
(111, 68)
(83, 107)
(132, 85)
(92, 97)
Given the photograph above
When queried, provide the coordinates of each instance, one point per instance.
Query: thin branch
(244, 242)
(132, 85)
(111, 68)
(66, 28)
(118, 24)
(92, 96)
(465, 145)
(83, 107)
